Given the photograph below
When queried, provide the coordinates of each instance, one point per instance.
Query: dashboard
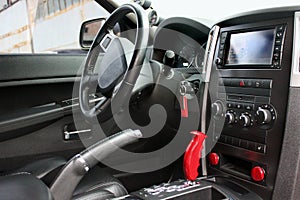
(248, 60)
(186, 38)
(251, 64)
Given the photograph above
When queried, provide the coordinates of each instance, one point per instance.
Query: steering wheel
(115, 79)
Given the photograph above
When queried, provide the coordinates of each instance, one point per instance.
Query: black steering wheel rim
(133, 70)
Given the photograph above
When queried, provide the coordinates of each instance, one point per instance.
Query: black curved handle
(65, 183)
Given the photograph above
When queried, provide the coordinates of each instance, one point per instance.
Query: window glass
(44, 26)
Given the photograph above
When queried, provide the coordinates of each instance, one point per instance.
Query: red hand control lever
(184, 107)
(192, 156)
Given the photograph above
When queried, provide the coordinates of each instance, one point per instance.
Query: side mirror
(88, 32)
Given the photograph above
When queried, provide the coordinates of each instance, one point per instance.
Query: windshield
(53, 26)
(212, 10)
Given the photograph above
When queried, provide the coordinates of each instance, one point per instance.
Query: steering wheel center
(113, 65)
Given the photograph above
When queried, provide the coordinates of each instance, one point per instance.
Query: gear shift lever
(65, 183)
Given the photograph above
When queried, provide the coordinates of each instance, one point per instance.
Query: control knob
(230, 118)
(264, 116)
(217, 109)
(245, 120)
(218, 61)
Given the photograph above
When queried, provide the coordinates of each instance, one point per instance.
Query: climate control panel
(244, 105)
(263, 116)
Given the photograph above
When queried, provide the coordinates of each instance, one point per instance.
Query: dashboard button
(225, 139)
(260, 148)
(230, 105)
(279, 34)
(224, 36)
(239, 106)
(242, 84)
(267, 84)
(214, 159)
(249, 83)
(249, 107)
(222, 138)
(252, 146)
(276, 63)
(229, 140)
(280, 28)
(236, 142)
(258, 174)
(244, 144)
(276, 55)
(222, 45)
(277, 49)
(257, 83)
(278, 42)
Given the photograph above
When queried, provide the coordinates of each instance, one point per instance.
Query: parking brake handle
(65, 183)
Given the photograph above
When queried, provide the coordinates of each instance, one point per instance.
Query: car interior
(156, 108)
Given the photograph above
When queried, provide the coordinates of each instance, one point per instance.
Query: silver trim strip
(39, 81)
(295, 72)
(210, 52)
(208, 64)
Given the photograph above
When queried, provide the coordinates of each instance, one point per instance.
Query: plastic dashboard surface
(254, 115)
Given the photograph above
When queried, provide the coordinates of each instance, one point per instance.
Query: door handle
(71, 135)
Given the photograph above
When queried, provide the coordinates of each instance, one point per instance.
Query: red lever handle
(184, 107)
(192, 156)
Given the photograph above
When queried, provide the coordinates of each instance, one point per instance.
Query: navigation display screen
(251, 48)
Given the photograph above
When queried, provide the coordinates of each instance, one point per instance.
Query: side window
(44, 26)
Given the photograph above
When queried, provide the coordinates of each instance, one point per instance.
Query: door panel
(33, 109)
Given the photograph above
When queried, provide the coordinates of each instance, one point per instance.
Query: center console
(249, 86)
(215, 188)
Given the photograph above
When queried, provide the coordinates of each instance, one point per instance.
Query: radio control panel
(236, 49)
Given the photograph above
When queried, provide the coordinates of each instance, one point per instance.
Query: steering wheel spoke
(101, 105)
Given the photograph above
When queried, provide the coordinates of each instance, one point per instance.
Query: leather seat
(23, 186)
(96, 184)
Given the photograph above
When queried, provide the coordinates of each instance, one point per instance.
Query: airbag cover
(112, 67)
